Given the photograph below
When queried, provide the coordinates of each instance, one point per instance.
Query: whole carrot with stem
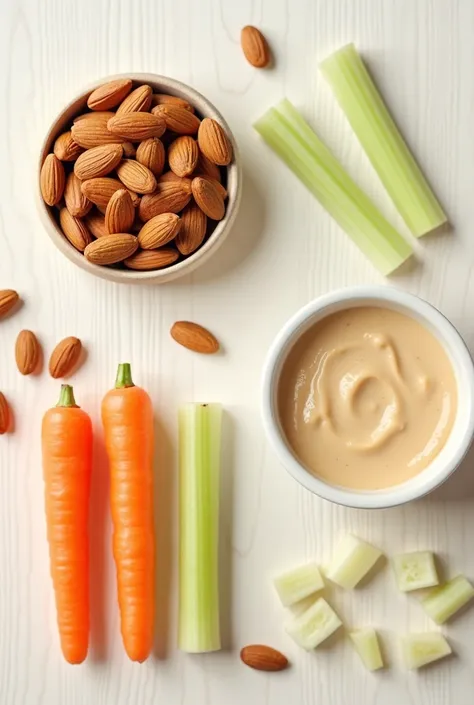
(67, 463)
(127, 417)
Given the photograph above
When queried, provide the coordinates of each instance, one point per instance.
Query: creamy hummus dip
(367, 398)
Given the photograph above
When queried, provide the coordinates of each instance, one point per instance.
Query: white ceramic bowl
(204, 108)
(461, 435)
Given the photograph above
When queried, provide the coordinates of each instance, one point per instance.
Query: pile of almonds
(137, 180)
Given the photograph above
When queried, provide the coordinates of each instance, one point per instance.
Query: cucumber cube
(314, 625)
(299, 583)
(352, 560)
(414, 571)
(445, 600)
(367, 646)
(421, 649)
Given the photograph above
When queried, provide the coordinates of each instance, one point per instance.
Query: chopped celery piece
(290, 136)
(199, 451)
(314, 625)
(415, 570)
(299, 583)
(352, 560)
(421, 649)
(372, 123)
(444, 601)
(366, 644)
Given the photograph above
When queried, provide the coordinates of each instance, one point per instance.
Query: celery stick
(366, 644)
(421, 649)
(290, 136)
(415, 570)
(372, 123)
(298, 583)
(199, 451)
(314, 625)
(444, 601)
(352, 560)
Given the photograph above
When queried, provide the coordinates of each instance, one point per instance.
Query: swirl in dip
(367, 398)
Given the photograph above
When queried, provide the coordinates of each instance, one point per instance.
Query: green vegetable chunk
(366, 644)
(445, 600)
(299, 583)
(421, 649)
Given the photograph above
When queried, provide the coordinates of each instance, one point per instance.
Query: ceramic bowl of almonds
(139, 179)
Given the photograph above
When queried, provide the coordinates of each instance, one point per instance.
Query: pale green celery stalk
(379, 136)
(290, 136)
(199, 460)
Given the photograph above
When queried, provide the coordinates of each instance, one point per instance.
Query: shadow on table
(460, 486)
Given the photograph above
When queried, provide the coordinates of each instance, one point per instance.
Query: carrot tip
(124, 376)
(66, 398)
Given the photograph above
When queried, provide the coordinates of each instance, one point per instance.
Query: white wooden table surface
(283, 251)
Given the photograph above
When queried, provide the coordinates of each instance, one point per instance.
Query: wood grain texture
(285, 251)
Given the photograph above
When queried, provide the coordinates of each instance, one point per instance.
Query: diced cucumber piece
(367, 646)
(445, 600)
(299, 583)
(352, 560)
(415, 570)
(314, 625)
(420, 649)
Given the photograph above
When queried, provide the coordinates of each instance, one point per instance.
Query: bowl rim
(318, 309)
(220, 232)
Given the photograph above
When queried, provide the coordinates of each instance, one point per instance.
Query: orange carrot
(127, 416)
(67, 462)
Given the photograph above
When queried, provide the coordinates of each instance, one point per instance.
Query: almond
(151, 153)
(103, 116)
(145, 260)
(74, 229)
(93, 131)
(111, 248)
(135, 176)
(214, 143)
(183, 155)
(65, 148)
(138, 101)
(220, 188)
(52, 180)
(194, 337)
(76, 203)
(110, 94)
(169, 197)
(178, 119)
(165, 99)
(192, 231)
(5, 415)
(98, 161)
(170, 176)
(263, 658)
(207, 168)
(255, 47)
(135, 127)
(27, 352)
(208, 198)
(8, 300)
(65, 357)
(158, 231)
(95, 222)
(120, 213)
(129, 151)
(100, 190)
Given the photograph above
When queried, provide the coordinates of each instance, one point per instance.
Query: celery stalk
(444, 601)
(199, 451)
(378, 134)
(290, 136)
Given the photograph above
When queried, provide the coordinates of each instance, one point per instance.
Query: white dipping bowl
(460, 438)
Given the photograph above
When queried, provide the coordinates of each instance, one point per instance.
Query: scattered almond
(159, 231)
(194, 337)
(208, 198)
(52, 180)
(65, 357)
(145, 260)
(207, 168)
(137, 101)
(110, 94)
(263, 658)
(183, 155)
(27, 352)
(151, 153)
(111, 249)
(192, 231)
(165, 99)
(5, 415)
(8, 300)
(169, 197)
(76, 203)
(136, 177)
(98, 161)
(100, 190)
(120, 213)
(74, 229)
(65, 148)
(177, 119)
(95, 222)
(255, 47)
(214, 143)
(93, 131)
(135, 127)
